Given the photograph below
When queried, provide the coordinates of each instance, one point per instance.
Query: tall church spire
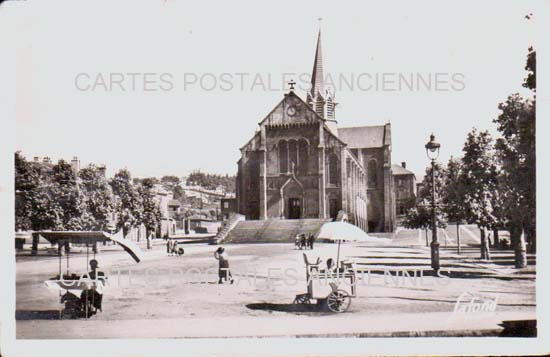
(320, 97)
(317, 76)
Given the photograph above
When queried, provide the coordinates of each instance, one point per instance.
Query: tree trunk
(426, 232)
(484, 245)
(495, 238)
(149, 234)
(458, 237)
(517, 240)
(531, 239)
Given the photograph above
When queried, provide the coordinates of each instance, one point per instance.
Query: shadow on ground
(292, 308)
(22, 315)
(37, 315)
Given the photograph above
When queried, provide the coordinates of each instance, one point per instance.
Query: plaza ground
(175, 297)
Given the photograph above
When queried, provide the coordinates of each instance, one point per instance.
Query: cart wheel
(302, 299)
(338, 301)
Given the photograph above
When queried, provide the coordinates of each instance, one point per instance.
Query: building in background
(404, 182)
(167, 226)
(228, 206)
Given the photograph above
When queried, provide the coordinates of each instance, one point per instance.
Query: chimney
(75, 164)
(47, 160)
(404, 164)
(102, 170)
(36, 159)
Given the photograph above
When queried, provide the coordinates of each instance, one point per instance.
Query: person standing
(92, 296)
(311, 239)
(169, 246)
(303, 243)
(223, 265)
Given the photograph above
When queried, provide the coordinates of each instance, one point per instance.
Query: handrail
(233, 220)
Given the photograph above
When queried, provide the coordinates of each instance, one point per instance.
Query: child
(223, 267)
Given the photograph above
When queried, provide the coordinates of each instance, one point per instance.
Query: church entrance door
(333, 207)
(294, 208)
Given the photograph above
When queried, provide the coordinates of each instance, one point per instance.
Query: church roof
(364, 137)
(400, 170)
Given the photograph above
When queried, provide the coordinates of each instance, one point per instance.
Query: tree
(516, 152)
(129, 206)
(453, 195)
(531, 67)
(70, 199)
(420, 216)
(36, 203)
(98, 196)
(151, 215)
(212, 181)
(479, 179)
(27, 181)
(170, 180)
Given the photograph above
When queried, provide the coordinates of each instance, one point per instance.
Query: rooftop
(361, 137)
(399, 170)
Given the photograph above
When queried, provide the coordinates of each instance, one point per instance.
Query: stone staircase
(231, 223)
(272, 230)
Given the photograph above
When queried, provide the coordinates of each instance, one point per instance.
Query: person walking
(169, 246)
(223, 265)
(172, 246)
(303, 243)
(311, 239)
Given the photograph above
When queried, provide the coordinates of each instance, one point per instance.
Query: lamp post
(432, 151)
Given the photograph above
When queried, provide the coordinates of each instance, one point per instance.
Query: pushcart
(70, 285)
(331, 288)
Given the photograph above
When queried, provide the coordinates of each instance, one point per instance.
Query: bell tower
(320, 97)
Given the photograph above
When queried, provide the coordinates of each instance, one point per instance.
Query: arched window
(293, 155)
(333, 169)
(283, 156)
(303, 156)
(371, 173)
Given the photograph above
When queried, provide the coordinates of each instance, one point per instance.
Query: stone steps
(273, 230)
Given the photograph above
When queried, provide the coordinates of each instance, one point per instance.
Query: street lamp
(432, 151)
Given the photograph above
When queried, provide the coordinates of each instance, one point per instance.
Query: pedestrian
(92, 296)
(311, 239)
(223, 265)
(297, 241)
(169, 246)
(303, 241)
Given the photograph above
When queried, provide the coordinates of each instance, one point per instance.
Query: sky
(167, 87)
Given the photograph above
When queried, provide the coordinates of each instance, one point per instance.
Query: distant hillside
(212, 181)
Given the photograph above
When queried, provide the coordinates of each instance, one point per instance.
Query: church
(299, 164)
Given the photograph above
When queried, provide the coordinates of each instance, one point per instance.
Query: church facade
(299, 164)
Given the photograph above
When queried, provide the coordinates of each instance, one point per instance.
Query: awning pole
(59, 252)
(338, 256)
(61, 279)
(67, 253)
